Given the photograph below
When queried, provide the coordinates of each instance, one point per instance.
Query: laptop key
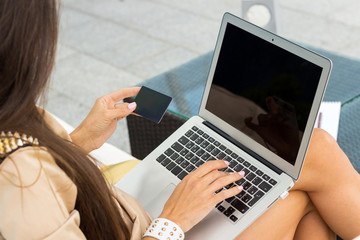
(266, 177)
(182, 175)
(238, 168)
(234, 155)
(233, 218)
(241, 194)
(180, 160)
(211, 139)
(216, 143)
(230, 199)
(222, 147)
(183, 140)
(257, 196)
(228, 151)
(215, 151)
(165, 162)
(169, 152)
(199, 163)
(250, 176)
(221, 155)
(265, 186)
(253, 168)
(189, 156)
(195, 128)
(177, 147)
(259, 172)
(246, 171)
(252, 190)
(170, 166)
(229, 211)
(189, 133)
(190, 168)
(205, 136)
(174, 156)
(200, 132)
(204, 144)
(247, 164)
(240, 181)
(161, 157)
(256, 181)
(200, 152)
(195, 148)
(247, 185)
(240, 206)
(184, 152)
(189, 145)
(232, 163)
(221, 208)
(184, 164)
(240, 159)
(272, 182)
(194, 137)
(205, 156)
(176, 170)
(194, 159)
(199, 140)
(210, 148)
(246, 198)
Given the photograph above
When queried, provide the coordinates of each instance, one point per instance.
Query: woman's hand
(101, 122)
(195, 196)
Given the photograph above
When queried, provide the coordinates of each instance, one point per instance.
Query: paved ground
(109, 44)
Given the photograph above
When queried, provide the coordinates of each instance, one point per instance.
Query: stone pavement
(105, 45)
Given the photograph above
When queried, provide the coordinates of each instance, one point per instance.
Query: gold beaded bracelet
(10, 142)
(164, 229)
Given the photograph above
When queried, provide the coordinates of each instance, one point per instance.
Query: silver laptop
(258, 111)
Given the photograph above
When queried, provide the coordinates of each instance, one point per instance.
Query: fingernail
(242, 173)
(226, 162)
(132, 105)
(240, 188)
(231, 173)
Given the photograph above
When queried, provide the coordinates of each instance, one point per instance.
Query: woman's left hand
(101, 122)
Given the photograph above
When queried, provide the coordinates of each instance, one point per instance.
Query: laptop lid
(264, 92)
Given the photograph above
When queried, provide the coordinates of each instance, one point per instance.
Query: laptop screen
(263, 91)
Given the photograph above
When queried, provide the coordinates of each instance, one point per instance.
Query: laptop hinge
(247, 150)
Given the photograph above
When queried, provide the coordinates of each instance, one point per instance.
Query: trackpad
(156, 205)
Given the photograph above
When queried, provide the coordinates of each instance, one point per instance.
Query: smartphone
(151, 104)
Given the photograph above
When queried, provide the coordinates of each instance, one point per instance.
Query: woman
(50, 187)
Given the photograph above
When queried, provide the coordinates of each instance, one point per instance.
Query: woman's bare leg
(332, 184)
(313, 227)
(327, 194)
(281, 220)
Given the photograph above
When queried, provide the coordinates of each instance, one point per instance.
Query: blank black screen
(263, 90)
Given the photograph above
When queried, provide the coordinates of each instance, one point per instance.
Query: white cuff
(164, 229)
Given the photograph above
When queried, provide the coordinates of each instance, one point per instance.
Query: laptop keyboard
(195, 148)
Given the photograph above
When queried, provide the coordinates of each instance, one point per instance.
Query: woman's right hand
(194, 197)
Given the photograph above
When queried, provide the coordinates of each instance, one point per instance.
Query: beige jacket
(37, 198)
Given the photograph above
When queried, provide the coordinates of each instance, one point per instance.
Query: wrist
(80, 138)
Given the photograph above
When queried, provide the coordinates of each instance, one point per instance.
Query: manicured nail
(242, 173)
(132, 105)
(226, 162)
(231, 173)
(240, 188)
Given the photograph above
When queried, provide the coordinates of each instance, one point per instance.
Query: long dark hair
(28, 39)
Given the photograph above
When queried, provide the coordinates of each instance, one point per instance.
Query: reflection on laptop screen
(263, 90)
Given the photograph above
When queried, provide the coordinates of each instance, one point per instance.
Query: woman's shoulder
(39, 196)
